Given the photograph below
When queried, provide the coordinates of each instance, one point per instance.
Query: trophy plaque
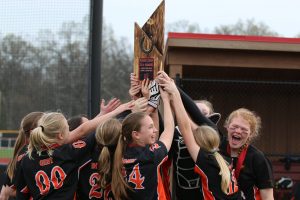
(149, 45)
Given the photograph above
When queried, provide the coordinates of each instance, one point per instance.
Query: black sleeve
(263, 171)
(82, 149)
(159, 151)
(21, 186)
(6, 179)
(194, 112)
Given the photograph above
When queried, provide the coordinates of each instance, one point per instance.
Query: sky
(27, 17)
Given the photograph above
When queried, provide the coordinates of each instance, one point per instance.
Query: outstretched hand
(125, 106)
(166, 83)
(140, 105)
(112, 105)
(145, 88)
(135, 87)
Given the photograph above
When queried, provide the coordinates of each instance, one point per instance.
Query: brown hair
(45, 134)
(75, 121)
(28, 123)
(131, 123)
(107, 135)
(250, 116)
(208, 139)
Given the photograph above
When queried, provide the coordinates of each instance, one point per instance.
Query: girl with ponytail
(28, 123)
(202, 144)
(50, 170)
(139, 156)
(95, 177)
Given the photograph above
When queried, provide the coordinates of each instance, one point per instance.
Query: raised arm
(196, 116)
(110, 106)
(181, 116)
(91, 125)
(167, 135)
(266, 194)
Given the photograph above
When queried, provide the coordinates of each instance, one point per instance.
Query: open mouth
(236, 139)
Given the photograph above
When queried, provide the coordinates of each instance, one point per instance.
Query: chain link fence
(43, 61)
(276, 102)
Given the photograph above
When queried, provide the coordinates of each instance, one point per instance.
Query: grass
(6, 152)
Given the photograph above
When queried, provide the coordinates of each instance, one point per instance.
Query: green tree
(50, 73)
(117, 64)
(16, 70)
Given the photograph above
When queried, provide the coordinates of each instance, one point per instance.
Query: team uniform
(208, 169)
(252, 169)
(88, 187)
(255, 171)
(187, 182)
(56, 176)
(143, 171)
(11, 183)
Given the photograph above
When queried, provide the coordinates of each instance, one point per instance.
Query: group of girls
(109, 158)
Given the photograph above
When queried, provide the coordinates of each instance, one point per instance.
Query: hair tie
(42, 128)
(215, 150)
(109, 146)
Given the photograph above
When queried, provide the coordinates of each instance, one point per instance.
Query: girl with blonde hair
(252, 168)
(95, 177)
(50, 169)
(138, 157)
(202, 144)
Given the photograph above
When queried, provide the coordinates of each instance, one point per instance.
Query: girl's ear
(60, 136)
(135, 135)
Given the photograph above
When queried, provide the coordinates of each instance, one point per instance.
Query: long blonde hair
(107, 135)
(118, 185)
(28, 123)
(45, 134)
(208, 139)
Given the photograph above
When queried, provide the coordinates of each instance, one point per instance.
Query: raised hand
(162, 74)
(154, 94)
(145, 88)
(140, 105)
(164, 95)
(125, 106)
(135, 87)
(167, 84)
(112, 105)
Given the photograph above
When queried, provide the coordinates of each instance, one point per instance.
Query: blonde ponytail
(107, 135)
(224, 172)
(118, 185)
(104, 167)
(45, 134)
(208, 139)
